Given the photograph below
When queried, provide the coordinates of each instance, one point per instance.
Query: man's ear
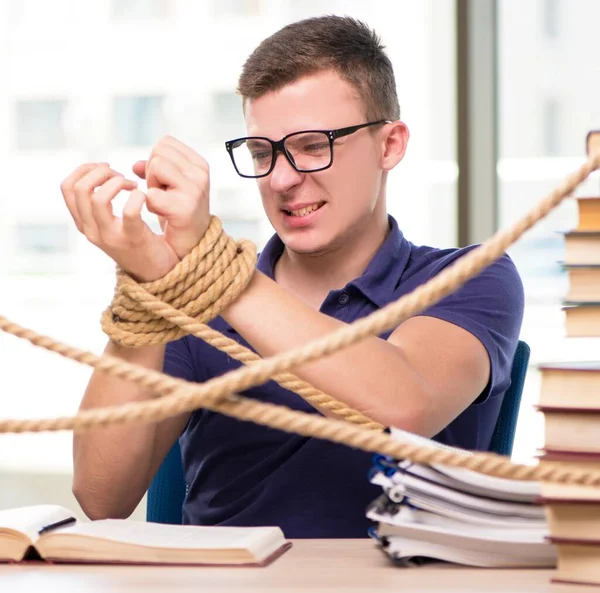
(395, 140)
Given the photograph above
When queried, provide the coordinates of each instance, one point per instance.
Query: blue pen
(56, 525)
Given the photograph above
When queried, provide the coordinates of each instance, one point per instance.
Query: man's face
(318, 212)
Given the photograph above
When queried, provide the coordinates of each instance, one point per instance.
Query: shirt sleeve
(178, 360)
(489, 306)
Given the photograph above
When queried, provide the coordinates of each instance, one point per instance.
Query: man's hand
(178, 193)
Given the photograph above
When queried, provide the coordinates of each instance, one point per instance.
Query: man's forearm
(113, 465)
(372, 376)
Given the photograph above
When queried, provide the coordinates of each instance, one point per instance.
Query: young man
(323, 133)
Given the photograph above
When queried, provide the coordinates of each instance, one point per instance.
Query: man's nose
(284, 176)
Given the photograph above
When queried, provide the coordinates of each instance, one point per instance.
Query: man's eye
(263, 154)
(316, 147)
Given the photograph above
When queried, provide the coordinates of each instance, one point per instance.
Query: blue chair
(167, 490)
(504, 433)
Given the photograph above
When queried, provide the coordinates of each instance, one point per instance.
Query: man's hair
(342, 44)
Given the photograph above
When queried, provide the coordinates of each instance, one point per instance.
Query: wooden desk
(310, 565)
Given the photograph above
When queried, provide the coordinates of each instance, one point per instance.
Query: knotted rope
(216, 394)
(204, 283)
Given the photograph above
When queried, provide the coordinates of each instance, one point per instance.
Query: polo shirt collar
(382, 276)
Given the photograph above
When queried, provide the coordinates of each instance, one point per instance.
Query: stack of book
(431, 513)
(570, 403)
(582, 262)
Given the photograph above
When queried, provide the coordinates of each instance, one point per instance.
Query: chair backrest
(506, 425)
(167, 490)
(166, 494)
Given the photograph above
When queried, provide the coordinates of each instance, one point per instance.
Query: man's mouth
(304, 211)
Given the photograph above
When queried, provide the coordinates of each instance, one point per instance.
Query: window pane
(138, 121)
(41, 238)
(551, 17)
(39, 124)
(233, 8)
(242, 228)
(228, 119)
(548, 101)
(139, 9)
(38, 12)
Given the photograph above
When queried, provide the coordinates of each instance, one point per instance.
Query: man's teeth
(304, 211)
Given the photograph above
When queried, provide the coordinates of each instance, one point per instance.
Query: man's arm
(420, 379)
(113, 466)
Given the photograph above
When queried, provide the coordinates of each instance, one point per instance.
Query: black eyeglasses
(307, 151)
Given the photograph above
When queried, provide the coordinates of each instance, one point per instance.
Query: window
(228, 117)
(139, 9)
(540, 143)
(40, 249)
(40, 11)
(233, 8)
(39, 124)
(242, 228)
(550, 18)
(41, 238)
(551, 127)
(138, 121)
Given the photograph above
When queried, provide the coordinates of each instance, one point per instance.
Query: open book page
(258, 541)
(30, 519)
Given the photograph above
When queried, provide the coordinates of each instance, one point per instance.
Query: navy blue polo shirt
(239, 473)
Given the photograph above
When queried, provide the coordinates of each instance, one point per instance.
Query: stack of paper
(438, 513)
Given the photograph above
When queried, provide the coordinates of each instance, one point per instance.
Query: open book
(32, 532)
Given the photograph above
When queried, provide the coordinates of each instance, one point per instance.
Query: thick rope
(311, 394)
(186, 397)
(202, 285)
(279, 417)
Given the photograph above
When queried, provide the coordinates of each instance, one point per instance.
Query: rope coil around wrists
(200, 286)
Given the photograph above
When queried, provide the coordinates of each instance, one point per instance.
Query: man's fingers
(189, 153)
(67, 189)
(164, 173)
(84, 189)
(139, 168)
(173, 211)
(133, 225)
(101, 206)
(193, 172)
(159, 202)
